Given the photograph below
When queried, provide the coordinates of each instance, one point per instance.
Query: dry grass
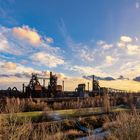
(14, 105)
(11, 128)
(126, 127)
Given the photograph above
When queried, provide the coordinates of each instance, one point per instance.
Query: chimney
(63, 85)
(92, 83)
(88, 86)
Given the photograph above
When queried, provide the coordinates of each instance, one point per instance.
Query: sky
(73, 38)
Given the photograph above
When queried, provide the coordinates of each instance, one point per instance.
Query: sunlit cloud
(133, 49)
(42, 58)
(126, 39)
(28, 34)
(9, 66)
(109, 59)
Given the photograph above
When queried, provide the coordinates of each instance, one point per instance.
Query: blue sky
(72, 37)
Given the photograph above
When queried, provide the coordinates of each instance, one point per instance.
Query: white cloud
(24, 47)
(107, 46)
(85, 55)
(28, 34)
(121, 44)
(109, 59)
(126, 39)
(9, 65)
(4, 45)
(104, 45)
(11, 68)
(133, 49)
(46, 59)
(131, 69)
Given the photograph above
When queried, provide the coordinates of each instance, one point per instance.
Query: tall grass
(11, 128)
(126, 127)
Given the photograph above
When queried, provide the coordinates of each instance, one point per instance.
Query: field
(95, 117)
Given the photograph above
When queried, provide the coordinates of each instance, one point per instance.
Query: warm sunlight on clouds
(133, 49)
(9, 65)
(126, 39)
(46, 59)
(109, 59)
(27, 33)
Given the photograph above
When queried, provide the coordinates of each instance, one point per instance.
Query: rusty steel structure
(35, 89)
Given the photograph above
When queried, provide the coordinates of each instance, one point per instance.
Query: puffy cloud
(9, 65)
(109, 59)
(121, 44)
(11, 68)
(107, 46)
(126, 39)
(133, 49)
(104, 45)
(46, 59)
(27, 33)
(85, 55)
(23, 49)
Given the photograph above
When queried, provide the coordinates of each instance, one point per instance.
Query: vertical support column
(43, 82)
(23, 86)
(88, 86)
(93, 84)
(63, 85)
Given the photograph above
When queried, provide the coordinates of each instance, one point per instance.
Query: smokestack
(88, 86)
(23, 88)
(43, 82)
(50, 74)
(93, 83)
(63, 85)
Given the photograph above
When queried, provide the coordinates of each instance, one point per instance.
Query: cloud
(4, 45)
(121, 44)
(107, 46)
(106, 57)
(23, 49)
(133, 49)
(9, 66)
(42, 58)
(49, 40)
(137, 5)
(126, 39)
(86, 70)
(99, 78)
(109, 59)
(130, 69)
(28, 34)
(104, 45)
